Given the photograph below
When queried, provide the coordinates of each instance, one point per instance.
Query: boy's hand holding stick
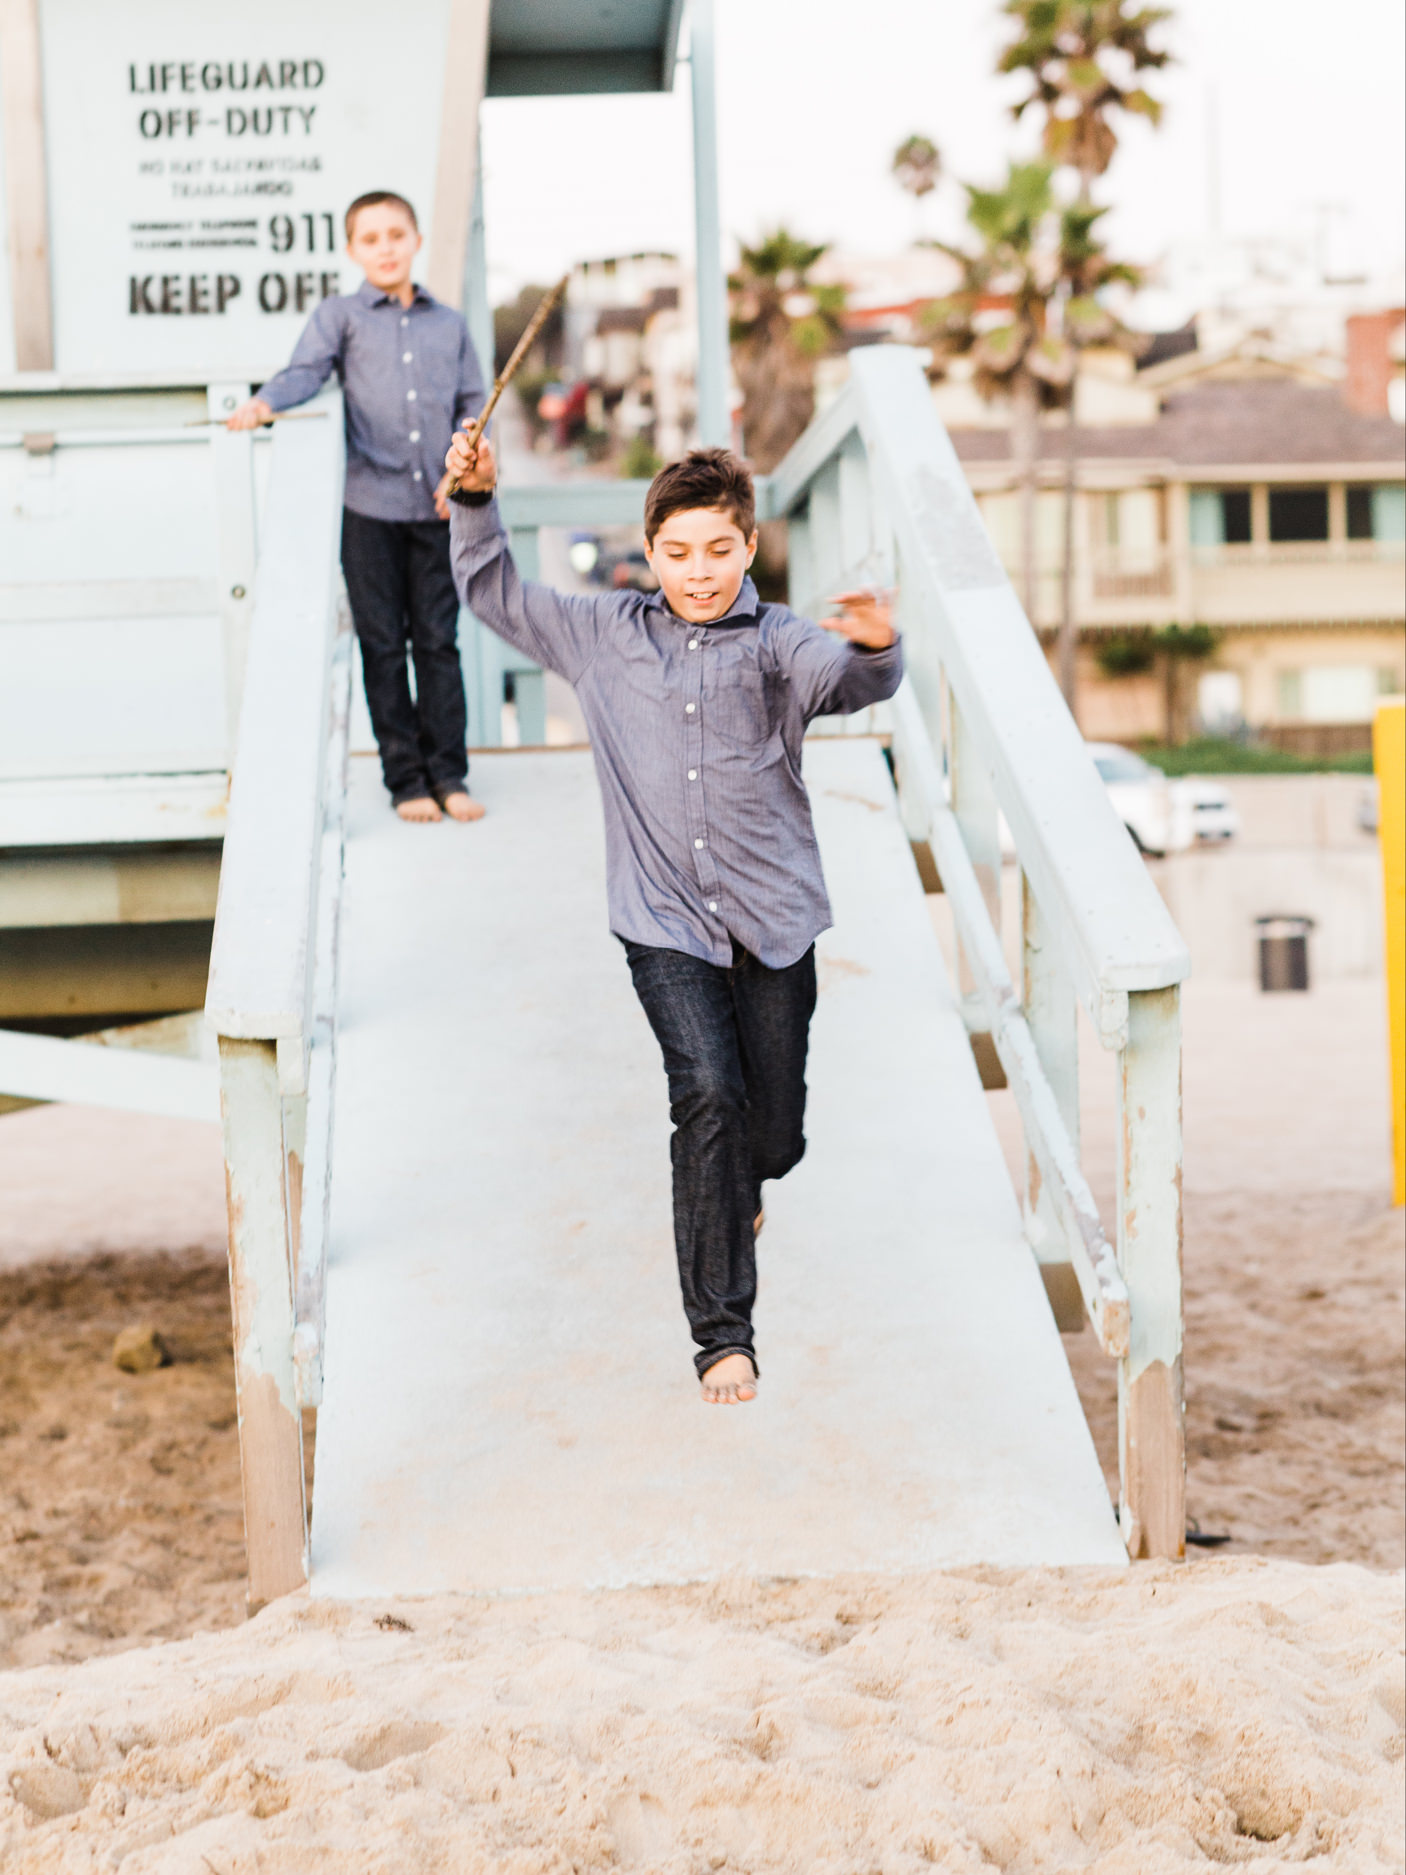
(462, 460)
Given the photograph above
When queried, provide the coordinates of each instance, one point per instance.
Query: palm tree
(1085, 273)
(917, 164)
(998, 316)
(781, 323)
(1084, 59)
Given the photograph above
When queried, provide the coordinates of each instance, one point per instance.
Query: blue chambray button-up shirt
(410, 378)
(696, 732)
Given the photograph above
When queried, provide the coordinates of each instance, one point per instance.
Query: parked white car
(1163, 816)
(1213, 813)
(1143, 797)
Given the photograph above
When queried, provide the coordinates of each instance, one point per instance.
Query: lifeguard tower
(443, 1120)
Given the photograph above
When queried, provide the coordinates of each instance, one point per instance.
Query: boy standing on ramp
(409, 377)
(696, 698)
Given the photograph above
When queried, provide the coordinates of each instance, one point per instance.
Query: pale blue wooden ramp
(509, 1400)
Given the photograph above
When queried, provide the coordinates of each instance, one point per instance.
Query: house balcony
(1318, 581)
(1260, 583)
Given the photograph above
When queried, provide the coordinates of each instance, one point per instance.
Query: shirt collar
(743, 609)
(373, 296)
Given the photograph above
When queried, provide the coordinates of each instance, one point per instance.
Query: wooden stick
(474, 429)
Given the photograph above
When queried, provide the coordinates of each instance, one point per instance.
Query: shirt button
(418, 476)
(693, 644)
(700, 842)
(410, 397)
(405, 321)
(405, 357)
(693, 774)
(414, 436)
(688, 709)
(712, 904)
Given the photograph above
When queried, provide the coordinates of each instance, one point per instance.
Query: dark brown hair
(704, 478)
(374, 200)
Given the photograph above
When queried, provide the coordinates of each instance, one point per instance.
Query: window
(1235, 505)
(1339, 693)
(1359, 513)
(1290, 687)
(1220, 701)
(1298, 514)
(1220, 516)
(1389, 511)
(1377, 513)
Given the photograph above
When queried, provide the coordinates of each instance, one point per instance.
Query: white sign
(201, 159)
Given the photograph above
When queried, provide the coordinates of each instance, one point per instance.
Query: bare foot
(422, 808)
(461, 806)
(732, 1381)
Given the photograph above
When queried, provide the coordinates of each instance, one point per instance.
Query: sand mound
(1235, 1712)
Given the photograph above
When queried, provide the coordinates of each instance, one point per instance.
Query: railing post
(1047, 997)
(1151, 1431)
(232, 457)
(261, 1291)
(714, 419)
(800, 560)
(826, 541)
(974, 804)
(295, 1155)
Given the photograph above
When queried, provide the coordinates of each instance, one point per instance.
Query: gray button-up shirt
(410, 377)
(696, 732)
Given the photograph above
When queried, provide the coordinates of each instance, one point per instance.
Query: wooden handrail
(1113, 928)
(874, 493)
(261, 958)
(259, 1000)
(1095, 1266)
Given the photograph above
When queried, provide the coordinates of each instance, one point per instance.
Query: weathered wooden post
(974, 804)
(260, 1001)
(261, 1295)
(1047, 997)
(1151, 1431)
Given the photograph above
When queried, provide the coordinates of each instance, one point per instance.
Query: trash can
(1284, 951)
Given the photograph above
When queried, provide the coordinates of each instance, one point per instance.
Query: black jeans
(734, 1044)
(402, 594)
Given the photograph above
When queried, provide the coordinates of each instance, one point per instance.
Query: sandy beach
(1244, 1709)
(1236, 1713)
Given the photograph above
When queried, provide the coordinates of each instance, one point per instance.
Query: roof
(538, 50)
(1255, 421)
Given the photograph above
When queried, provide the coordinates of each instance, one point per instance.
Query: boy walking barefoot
(696, 698)
(409, 377)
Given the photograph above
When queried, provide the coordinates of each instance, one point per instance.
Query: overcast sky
(814, 98)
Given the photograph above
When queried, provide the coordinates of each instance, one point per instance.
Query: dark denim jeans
(402, 595)
(734, 1044)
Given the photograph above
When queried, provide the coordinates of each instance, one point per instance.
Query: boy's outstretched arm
(555, 629)
(847, 662)
(314, 359)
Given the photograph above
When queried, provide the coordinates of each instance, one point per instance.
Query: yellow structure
(1389, 760)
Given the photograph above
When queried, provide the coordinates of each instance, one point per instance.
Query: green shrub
(1221, 755)
(639, 462)
(1125, 654)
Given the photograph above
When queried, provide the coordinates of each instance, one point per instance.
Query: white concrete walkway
(509, 1398)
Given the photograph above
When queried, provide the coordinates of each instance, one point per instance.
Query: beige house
(1255, 493)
